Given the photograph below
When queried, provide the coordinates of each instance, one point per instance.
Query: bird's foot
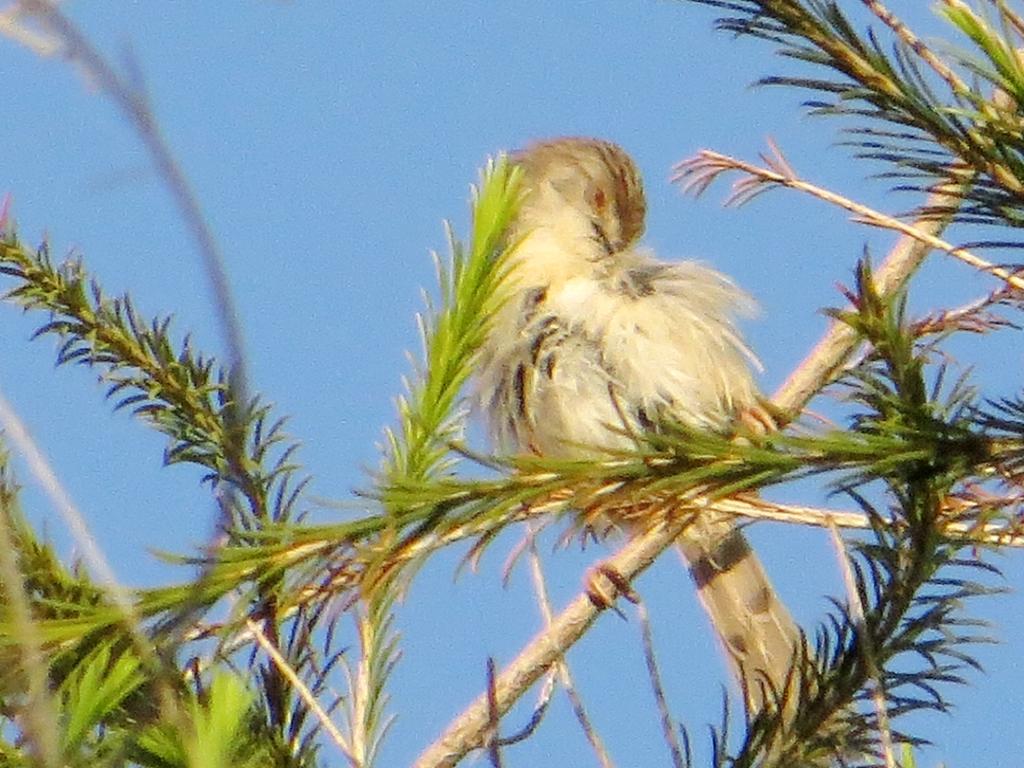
(604, 585)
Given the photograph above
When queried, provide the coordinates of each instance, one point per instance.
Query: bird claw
(604, 584)
(757, 420)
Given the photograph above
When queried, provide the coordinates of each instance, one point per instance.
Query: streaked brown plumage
(600, 340)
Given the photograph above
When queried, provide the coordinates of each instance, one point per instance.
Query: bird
(598, 341)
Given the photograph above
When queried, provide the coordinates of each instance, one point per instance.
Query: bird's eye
(602, 237)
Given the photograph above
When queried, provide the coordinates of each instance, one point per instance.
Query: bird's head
(587, 183)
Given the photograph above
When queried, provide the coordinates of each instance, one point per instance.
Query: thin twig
(903, 32)
(547, 689)
(466, 732)
(491, 741)
(134, 104)
(667, 727)
(760, 509)
(699, 171)
(15, 431)
(544, 602)
(866, 650)
(975, 316)
(300, 687)
(12, 26)
(828, 356)
(743, 507)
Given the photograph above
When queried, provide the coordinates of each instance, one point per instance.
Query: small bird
(599, 341)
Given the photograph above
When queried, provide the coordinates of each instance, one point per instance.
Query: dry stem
(467, 731)
(867, 652)
(13, 26)
(562, 667)
(904, 33)
(697, 173)
(302, 690)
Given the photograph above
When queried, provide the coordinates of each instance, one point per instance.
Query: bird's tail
(759, 635)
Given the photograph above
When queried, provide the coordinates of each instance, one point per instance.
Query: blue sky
(327, 142)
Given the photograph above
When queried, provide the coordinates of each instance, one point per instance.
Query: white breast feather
(673, 351)
(641, 336)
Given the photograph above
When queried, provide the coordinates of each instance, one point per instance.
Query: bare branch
(303, 691)
(904, 33)
(697, 173)
(668, 728)
(754, 508)
(467, 731)
(540, 589)
(864, 644)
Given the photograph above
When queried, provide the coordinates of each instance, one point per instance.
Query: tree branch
(469, 729)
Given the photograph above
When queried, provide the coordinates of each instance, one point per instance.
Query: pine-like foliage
(155, 682)
(252, 660)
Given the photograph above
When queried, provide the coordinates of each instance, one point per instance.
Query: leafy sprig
(168, 385)
(896, 643)
(186, 396)
(912, 109)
